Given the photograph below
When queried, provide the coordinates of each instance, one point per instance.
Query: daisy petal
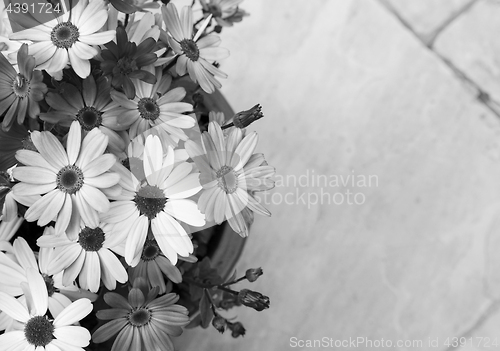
(74, 142)
(38, 290)
(95, 198)
(73, 313)
(73, 335)
(24, 254)
(34, 175)
(135, 242)
(186, 211)
(153, 159)
(108, 330)
(13, 308)
(98, 38)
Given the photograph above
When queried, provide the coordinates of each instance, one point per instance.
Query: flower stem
(237, 280)
(220, 287)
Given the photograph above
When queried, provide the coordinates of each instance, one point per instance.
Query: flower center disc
(89, 118)
(64, 35)
(21, 86)
(125, 66)
(150, 200)
(70, 179)
(139, 317)
(38, 331)
(227, 179)
(190, 49)
(148, 109)
(151, 250)
(91, 239)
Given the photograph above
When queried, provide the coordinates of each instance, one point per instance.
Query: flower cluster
(117, 176)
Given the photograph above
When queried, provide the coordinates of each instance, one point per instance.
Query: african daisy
(20, 92)
(35, 330)
(195, 55)
(143, 322)
(89, 257)
(69, 38)
(153, 266)
(71, 180)
(230, 173)
(23, 258)
(160, 201)
(88, 106)
(154, 106)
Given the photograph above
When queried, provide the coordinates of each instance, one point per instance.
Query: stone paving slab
(470, 44)
(426, 17)
(485, 338)
(353, 93)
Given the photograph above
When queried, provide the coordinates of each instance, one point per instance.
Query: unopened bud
(253, 299)
(244, 118)
(237, 329)
(253, 273)
(219, 323)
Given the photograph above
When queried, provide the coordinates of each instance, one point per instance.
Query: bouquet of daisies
(115, 171)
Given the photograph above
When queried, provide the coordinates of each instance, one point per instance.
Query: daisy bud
(245, 118)
(219, 323)
(253, 299)
(253, 273)
(237, 329)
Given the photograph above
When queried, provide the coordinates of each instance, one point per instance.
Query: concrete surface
(349, 91)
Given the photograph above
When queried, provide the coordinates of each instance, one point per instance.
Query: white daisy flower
(38, 332)
(15, 269)
(230, 173)
(195, 55)
(69, 38)
(71, 181)
(89, 257)
(159, 201)
(154, 106)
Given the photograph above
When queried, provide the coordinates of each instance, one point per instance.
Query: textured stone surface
(347, 90)
(470, 44)
(426, 17)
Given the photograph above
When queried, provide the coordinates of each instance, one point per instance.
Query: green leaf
(206, 312)
(5, 188)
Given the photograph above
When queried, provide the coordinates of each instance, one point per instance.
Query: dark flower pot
(223, 245)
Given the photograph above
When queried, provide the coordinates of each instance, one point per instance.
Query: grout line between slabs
(488, 313)
(446, 23)
(482, 96)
